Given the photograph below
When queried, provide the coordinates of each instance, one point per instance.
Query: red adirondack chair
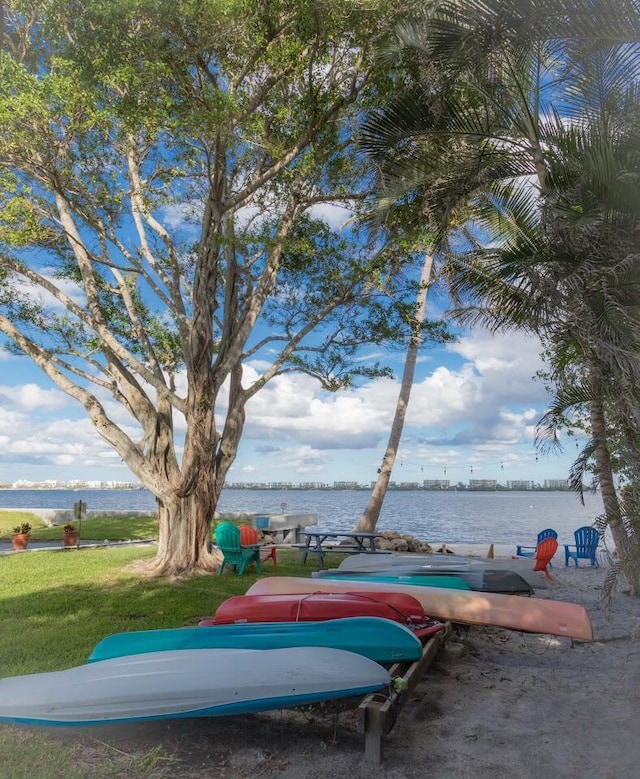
(250, 536)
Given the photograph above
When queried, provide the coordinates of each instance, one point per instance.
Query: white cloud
(31, 397)
(332, 214)
(474, 403)
(182, 216)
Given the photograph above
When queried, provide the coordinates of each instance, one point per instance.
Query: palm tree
(571, 270)
(369, 518)
(441, 189)
(551, 108)
(426, 185)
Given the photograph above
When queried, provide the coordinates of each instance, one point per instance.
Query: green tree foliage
(160, 165)
(545, 94)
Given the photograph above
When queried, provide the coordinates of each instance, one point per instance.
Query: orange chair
(544, 552)
(249, 536)
(234, 554)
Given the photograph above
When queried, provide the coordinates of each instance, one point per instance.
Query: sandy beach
(496, 704)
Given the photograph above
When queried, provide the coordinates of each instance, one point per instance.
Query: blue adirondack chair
(234, 554)
(585, 547)
(530, 551)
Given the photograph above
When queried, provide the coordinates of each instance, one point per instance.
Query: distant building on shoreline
(556, 484)
(522, 485)
(74, 484)
(427, 485)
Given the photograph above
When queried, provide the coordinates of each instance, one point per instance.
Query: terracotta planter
(20, 541)
(70, 539)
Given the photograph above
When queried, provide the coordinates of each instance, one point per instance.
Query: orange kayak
(531, 615)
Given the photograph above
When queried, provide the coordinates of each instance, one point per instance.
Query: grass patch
(56, 605)
(118, 528)
(121, 528)
(9, 519)
(27, 754)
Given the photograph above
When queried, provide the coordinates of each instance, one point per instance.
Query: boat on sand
(441, 563)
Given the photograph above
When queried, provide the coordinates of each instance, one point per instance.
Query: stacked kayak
(290, 642)
(532, 615)
(187, 683)
(478, 579)
(312, 606)
(257, 653)
(378, 639)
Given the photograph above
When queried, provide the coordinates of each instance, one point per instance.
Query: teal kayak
(449, 582)
(377, 638)
(478, 579)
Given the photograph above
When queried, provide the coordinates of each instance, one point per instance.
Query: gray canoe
(477, 578)
(442, 563)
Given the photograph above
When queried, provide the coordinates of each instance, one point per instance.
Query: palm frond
(569, 398)
(579, 469)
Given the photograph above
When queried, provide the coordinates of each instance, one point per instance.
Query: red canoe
(310, 607)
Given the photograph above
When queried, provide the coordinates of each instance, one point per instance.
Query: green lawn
(56, 605)
(120, 528)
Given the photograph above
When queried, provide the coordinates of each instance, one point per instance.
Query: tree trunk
(187, 499)
(184, 536)
(369, 519)
(604, 472)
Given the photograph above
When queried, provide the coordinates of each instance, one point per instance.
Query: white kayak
(531, 615)
(370, 563)
(187, 683)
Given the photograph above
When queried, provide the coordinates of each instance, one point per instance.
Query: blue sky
(472, 414)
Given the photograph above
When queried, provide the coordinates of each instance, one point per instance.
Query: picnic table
(316, 543)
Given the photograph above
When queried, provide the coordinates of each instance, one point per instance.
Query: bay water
(463, 516)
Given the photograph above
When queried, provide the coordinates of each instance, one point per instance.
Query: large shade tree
(554, 89)
(160, 164)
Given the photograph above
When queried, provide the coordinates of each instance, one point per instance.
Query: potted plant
(21, 536)
(69, 535)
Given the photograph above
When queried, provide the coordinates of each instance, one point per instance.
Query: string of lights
(470, 466)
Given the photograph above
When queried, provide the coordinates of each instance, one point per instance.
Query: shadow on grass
(56, 607)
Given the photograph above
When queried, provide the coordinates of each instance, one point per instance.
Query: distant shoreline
(292, 488)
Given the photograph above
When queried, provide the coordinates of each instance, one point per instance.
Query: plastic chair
(249, 536)
(531, 550)
(234, 553)
(585, 547)
(543, 554)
